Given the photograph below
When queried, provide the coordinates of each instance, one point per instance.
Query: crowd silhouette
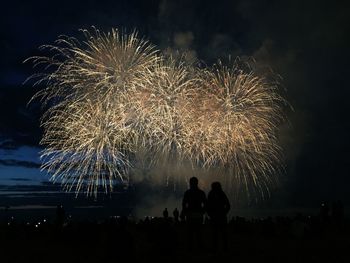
(200, 229)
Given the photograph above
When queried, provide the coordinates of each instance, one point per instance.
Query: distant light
(36, 225)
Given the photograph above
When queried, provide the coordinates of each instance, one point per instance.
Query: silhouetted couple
(195, 205)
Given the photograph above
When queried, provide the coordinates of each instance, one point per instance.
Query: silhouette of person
(218, 206)
(176, 215)
(193, 207)
(165, 213)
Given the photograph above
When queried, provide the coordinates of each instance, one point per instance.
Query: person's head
(216, 186)
(193, 182)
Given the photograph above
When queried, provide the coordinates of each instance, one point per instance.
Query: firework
(116, 105)
(237, 128)
(93, 145)
(88, 128)
(163, 107)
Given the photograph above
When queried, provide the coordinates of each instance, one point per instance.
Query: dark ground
(280, 239)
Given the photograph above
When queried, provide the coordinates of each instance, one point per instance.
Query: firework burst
(88, 128)
(115, 102)
(238, 127)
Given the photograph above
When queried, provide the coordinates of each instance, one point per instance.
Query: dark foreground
(301, 239)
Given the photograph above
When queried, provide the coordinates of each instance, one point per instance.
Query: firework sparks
(88, 131)
(238, 127)
(115, 101)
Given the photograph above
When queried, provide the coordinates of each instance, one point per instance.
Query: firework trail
(117, 105)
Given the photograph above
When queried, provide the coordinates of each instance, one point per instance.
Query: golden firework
(115, 101)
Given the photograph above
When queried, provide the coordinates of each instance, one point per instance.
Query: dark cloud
(8, 144)
(21, 179)
(12, 162)
(19, 122)
(47, 187)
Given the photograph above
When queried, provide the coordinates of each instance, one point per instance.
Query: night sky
(306, 42)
